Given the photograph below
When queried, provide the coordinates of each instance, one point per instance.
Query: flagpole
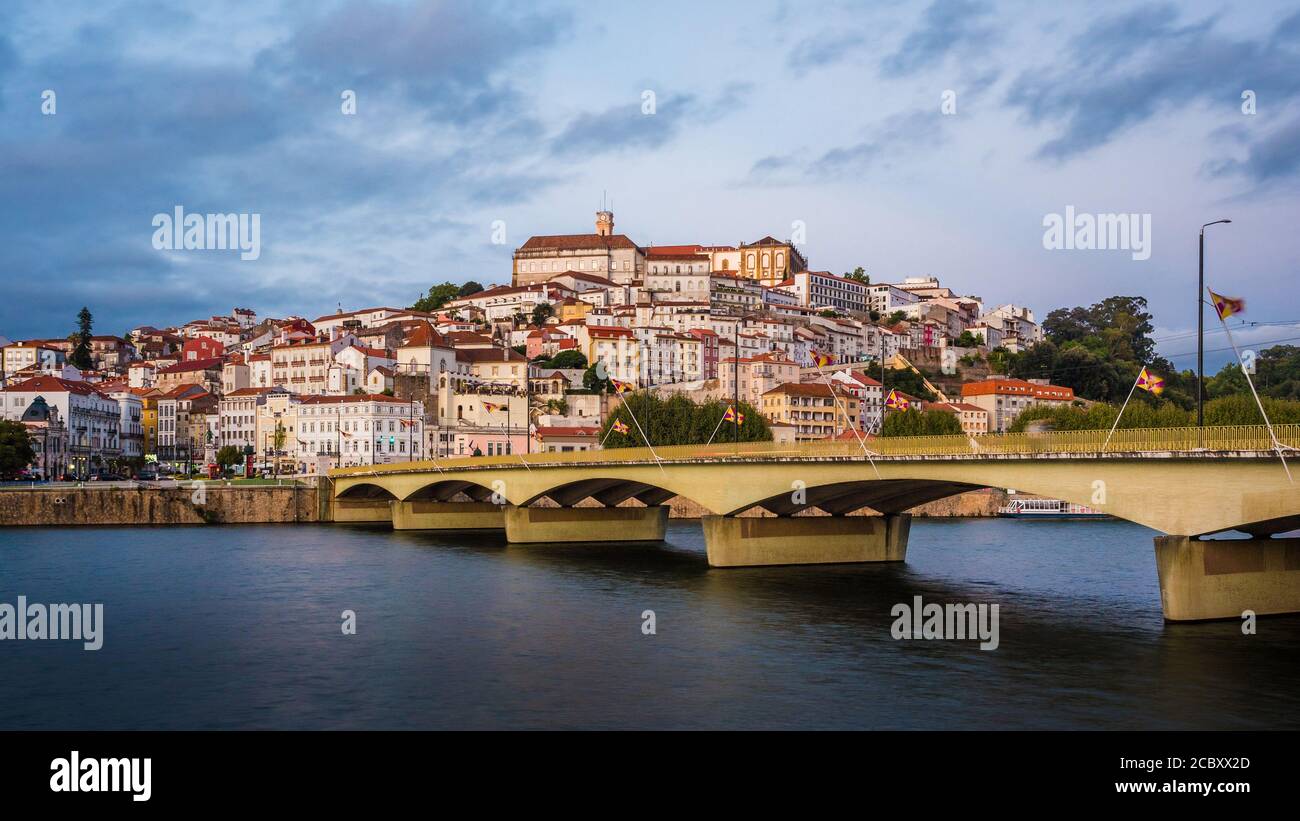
(716, 428)
(856, 433)
(1277, 446)
(612, 424)
(643, 434)
(1121, 412)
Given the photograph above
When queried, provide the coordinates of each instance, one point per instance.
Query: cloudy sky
(765, 115)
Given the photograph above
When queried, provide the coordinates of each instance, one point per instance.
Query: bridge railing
(1234, 438)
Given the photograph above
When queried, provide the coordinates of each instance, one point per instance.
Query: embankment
(213, 504)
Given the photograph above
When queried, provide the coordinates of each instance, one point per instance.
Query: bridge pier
(736, 542)
(360, 510)
(1219, 579)
(429, 515)
(585, 524)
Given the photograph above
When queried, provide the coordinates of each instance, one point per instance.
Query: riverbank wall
(215, 503)
(210, 504)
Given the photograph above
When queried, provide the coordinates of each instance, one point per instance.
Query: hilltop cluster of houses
(390, 384)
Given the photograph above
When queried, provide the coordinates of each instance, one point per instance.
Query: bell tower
(605, 223)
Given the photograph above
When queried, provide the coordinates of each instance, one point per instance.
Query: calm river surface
(239, 627)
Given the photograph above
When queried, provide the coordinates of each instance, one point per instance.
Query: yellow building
(770, 261)
(812, 409)
(149, 416)
(572, 309)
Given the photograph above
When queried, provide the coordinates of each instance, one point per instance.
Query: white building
(93, 419)
(884, 299)
(369, 429)
(822, 289)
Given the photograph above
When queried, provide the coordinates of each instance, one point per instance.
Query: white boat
(1048, 509)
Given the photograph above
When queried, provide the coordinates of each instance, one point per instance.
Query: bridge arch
(609, 491)
(365, 490)
(445, 490)
(842, 498)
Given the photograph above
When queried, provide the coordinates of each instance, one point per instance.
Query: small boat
(1048, 509)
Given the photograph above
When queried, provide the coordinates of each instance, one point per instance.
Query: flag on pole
(492, 407)
(894, 400)
(733, 415)
(1226, 305)
(1151, 383)
(823, 359)
(621, 386)
(619, 427)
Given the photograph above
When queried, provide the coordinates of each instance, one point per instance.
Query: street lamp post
(1200, 327)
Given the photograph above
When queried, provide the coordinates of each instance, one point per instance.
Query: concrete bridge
(1183, 482)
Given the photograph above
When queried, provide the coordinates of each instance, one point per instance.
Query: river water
(240, 627)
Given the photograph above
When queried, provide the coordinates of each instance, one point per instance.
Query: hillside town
(523, 367)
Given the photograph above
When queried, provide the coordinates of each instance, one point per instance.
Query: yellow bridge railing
(1189, 440)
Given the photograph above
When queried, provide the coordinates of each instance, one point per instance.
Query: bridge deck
(1236, 442)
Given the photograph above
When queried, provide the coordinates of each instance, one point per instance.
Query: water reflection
(239, 627)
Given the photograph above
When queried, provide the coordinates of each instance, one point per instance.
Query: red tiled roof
(53, 384)
(192, 365)
(356, 397)
(494, 354)
(186, 391)
(674, 250)
(574, 242)
(1017, 387)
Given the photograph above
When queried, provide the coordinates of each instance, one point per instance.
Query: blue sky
(766, 113)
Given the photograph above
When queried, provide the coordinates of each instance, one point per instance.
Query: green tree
(908, 382)
(81, 357)
(912, 422)
(468, 288)
(16, 451)
(1277, 374)
(542, 311)
(896, 317)
(968, 340)
(858, 274)
(438, 296)
(567, 360)
(279, 437)
(227, 456)
(679, 421)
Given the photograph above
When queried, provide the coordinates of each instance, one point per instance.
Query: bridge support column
(422, 515)
(735, 542)
(1220, 579)
(360, 510)
(585, 524)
